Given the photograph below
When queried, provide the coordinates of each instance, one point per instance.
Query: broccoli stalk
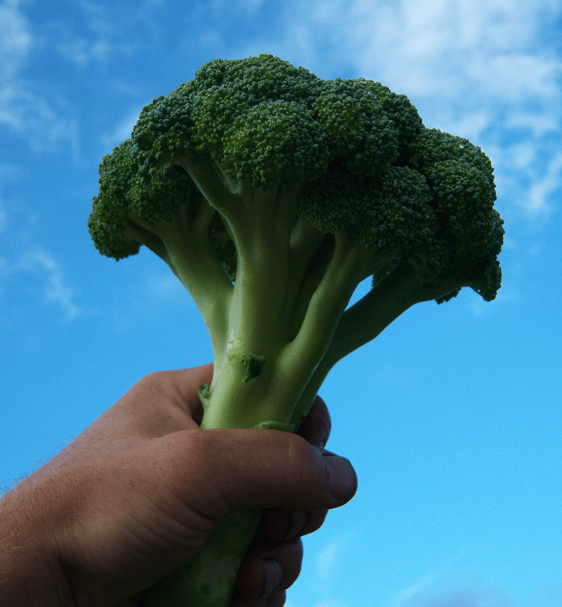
(271, 194)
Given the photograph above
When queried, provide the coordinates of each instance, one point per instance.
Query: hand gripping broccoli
(271, 194)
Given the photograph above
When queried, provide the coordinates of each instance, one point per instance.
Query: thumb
(224, 470)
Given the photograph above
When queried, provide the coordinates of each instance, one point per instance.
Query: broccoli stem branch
(327, 303)
(310, 253)
(144, 232)
(184, 245)
(209, 178)
(367, 318)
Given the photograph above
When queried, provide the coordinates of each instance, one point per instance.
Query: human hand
(140, 490)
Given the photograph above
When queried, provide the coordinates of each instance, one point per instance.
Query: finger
(253, 468)
(278, 525)
(313, 521)
(278, 600)
(317, 426)
(266, 571)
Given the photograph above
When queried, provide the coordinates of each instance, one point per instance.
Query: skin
(140, 490)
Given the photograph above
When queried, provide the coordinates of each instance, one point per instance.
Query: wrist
(30, 575)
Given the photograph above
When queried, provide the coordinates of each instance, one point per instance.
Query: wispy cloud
(327, 562)
(459, 44)
(122, 131)
(327, 558)
(56, 289)
(15, 39)
(46, 272)
(44, 123)
(46, 117)
(542, 189)
(417, 592)
(404, 597)
(27, 109)
(83, 51)
(96, 42)
(464, 597)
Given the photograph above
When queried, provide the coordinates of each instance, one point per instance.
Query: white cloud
(25, 108)
(463, 597)
(445, 47)
(45, 269)
(83, 51)
(405, 596)
(422, 12)
(45, 123)
(539, 123)
(122, 131)
(99, 42)
(415, 594)
(518, 77)
(328, 560)
(30, 110)
(523, 155)
(56, 289)
(15, 40)
(542, 189)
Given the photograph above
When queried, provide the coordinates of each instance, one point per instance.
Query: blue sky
(452, 416)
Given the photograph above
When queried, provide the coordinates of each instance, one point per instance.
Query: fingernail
(273, 571)
(343, 480)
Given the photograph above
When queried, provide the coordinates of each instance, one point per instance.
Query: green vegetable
(271, 194)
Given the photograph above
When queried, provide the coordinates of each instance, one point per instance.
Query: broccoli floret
(272, 194)
(123, 196)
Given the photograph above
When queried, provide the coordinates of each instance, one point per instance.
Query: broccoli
(271, 194)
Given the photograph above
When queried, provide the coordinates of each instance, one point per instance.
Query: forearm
(29, 573)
